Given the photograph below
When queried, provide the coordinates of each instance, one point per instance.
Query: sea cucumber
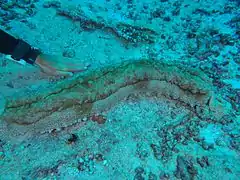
(94, 91)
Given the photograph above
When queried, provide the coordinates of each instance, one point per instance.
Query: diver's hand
(59, 66)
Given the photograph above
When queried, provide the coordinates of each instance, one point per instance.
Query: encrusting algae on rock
(81, 96)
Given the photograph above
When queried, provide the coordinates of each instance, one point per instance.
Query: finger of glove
(63, 73)
(54, 72)
(72, 67)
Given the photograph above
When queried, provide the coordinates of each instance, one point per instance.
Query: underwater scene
(119, 89)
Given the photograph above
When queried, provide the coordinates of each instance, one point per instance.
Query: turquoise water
(154, 91)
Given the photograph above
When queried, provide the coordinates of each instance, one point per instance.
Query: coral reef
(171, 111)
(126, 33)
(9, 10)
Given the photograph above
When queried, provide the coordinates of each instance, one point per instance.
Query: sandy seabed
(159, 100)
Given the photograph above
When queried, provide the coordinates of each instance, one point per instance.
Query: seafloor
(160, 98)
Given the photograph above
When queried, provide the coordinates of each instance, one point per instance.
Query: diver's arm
(17, 48)
(50, 64)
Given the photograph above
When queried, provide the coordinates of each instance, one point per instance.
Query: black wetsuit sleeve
(17, 48)
(7, 42)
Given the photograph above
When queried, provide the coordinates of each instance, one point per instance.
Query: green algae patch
(71, 100)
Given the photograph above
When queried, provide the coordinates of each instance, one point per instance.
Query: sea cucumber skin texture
(69, 101)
